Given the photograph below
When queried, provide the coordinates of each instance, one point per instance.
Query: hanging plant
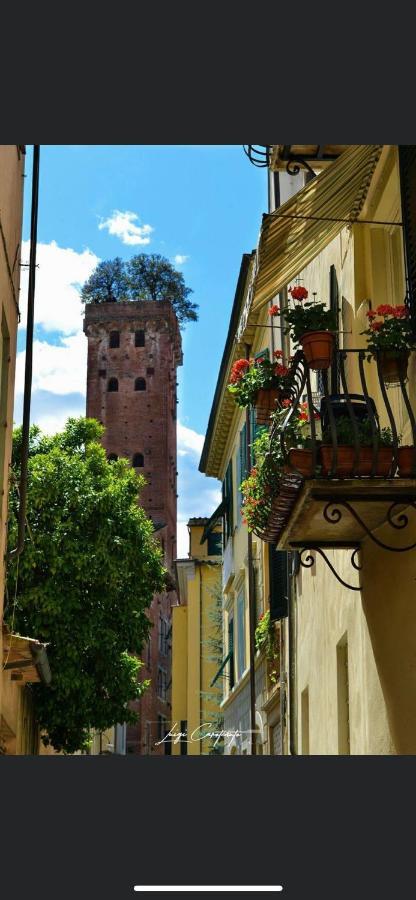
(266, 639)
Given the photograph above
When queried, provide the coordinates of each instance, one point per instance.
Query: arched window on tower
(138, 461)
(139, 339)
(112, 457)
(114, 339)
(140, 384)
(112, 384)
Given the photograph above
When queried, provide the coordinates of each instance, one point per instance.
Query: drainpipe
(29, 358)
(251, 601)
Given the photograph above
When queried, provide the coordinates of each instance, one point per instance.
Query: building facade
(346, 232)
(253, 575)
(134, 349)
(197, 644)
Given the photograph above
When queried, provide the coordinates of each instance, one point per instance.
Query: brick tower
(134, 348)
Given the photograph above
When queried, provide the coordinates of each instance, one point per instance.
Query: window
(278, 577)
(164, 632)
(343, 697)
(148, 738)
(227, 495)
(140, 384)
(215, 543)
(231, 651)
(139, 339)
(102, 373)
(161, 683)
(114, 339)
(112, 385)
(138, 461)
(161, 727)
(304, 711)
(241, 634)
(112, 457)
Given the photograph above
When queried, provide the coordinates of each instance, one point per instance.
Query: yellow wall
(192, 671)
(378, 623)
(11, 199)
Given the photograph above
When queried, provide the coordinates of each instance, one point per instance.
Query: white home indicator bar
(208, 887)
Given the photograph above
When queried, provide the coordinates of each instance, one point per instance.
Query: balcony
(356, 470)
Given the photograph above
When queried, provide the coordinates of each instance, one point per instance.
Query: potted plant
(406, 457)
(297, 437)
(266, 639)
(311, 325)
(346, 438)
(261, 383)
(390, 338)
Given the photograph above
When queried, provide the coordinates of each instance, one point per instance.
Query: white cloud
(121, 224)
(61, 272)
(198, 495)
(57, 369)
(180, 259)
(189, 441)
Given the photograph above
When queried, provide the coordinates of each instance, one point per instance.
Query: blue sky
(201, 207)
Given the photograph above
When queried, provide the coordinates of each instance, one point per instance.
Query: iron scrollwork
(333, 514)
(309, 561)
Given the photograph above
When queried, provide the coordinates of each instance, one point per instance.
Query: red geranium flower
(400, 312)
(375, 326)
(274, 310)
(371, 314)
(298, 292)
(238, 370)
(281, 370)
(278, 354)
(385, 309)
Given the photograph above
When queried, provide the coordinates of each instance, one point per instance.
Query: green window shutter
(263, 354)
(227, 496)
(229, 489)
(279, 586)
(241, 634)
(231, 651)
(241, 469)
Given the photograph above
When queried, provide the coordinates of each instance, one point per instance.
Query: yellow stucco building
(24, 659)
(196, 643)
(347, 679)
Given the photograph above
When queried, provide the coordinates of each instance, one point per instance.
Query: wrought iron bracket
(333, 514)
(309, 561)
(295, 163)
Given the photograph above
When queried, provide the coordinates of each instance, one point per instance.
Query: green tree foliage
(147, 276)
(107, 283)
(84, 581)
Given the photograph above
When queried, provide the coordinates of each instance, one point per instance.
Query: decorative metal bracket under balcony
(329, 498)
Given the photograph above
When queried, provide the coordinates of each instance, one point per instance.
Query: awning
(212, 521)
(290, 238)
(25, 658)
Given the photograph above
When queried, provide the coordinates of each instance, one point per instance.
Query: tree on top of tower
(107, 283)
(147, 276)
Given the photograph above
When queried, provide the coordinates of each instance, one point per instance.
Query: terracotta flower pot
(393, 365)
(318, 347)
(266, 401)
(345, 461)
(301, 460)
(407, 462)
(383, 462)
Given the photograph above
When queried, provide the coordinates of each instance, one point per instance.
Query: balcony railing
(375, 442)
(356, 470)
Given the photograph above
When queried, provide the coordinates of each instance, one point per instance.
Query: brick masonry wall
(141, 421)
